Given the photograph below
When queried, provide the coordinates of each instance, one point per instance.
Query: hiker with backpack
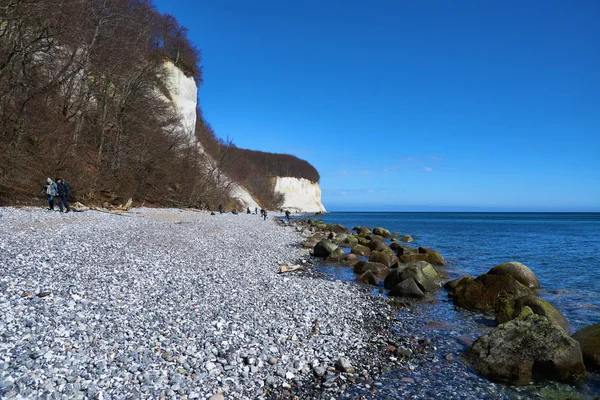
(63, 189)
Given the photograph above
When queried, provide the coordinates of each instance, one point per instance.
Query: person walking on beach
(248, 211)
(287, 215)
(51, 192)
(63, 189)
(220, 209)
(255, 210)
(264, 214)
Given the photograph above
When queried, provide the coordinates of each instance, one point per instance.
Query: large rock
(430, 258)
(401, 249)
(407, 239)
(511, 309)
(407, 288)
(349, 241)
(385, 257)
(486, 292)
(350, 259)
(324, 248)
(518, 271)
(435, 257)
(377, 268)
(362, 230)
(360, 250)
(382, 232)
(528, 347)
(338, 228)
(336, 255)
(421, 272)
(377, 245)
(589, 339)
(368, 278)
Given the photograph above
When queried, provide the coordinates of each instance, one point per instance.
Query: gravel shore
(166, 303)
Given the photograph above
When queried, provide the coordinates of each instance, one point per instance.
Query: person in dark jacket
(62, 193)
(220, 209)
(287, 215)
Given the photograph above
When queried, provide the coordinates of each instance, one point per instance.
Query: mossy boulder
(362, 240)
(377, 245)
(350, 259)
(382, 232)
(589, 339)
(336, 255)
(362, 230)
(309, 244)
(401, 249)
(527, 348)
(324, 248)
(435, 257)
(421, 272)
(407, 239)
(377, 268)
(432, 259)
(486, 292)
(518, 271)
(387, 258)
(407, 288)
(348, 241)
(360, 250)
(338, 228)
(511, 309)
(451, 285)
(368, 278)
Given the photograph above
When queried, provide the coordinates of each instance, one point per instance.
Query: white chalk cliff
(300, 194)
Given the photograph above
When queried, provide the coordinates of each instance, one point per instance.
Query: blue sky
(412, 105)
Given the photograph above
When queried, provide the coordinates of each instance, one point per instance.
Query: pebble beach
(168, 303)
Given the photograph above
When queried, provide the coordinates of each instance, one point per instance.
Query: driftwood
(290, 268)
(77, 206)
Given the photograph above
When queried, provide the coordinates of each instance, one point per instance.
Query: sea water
(562, 249)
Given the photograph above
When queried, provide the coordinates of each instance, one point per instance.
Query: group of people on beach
(263, 212)
(59, 189)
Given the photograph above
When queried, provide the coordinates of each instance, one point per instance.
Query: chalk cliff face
(300, 194)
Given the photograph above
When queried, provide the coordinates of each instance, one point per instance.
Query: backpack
(67, 187)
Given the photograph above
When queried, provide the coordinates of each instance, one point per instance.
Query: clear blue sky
(412, 105)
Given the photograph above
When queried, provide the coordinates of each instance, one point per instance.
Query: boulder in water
(421, 272)
(324, 248)
(528, 347)
(486, 292)
(589, 339)
(336, 254)
(384, 257)
(368, 278)
(407, 288)
(382, 232)
(407, 239)
(518, 271)
(511, 309)
(360, 250)
(377, 268)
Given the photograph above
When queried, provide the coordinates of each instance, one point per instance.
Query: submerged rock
(528, 347)
(518, 271)
(407, 239)
(589, 339)
(377, 268)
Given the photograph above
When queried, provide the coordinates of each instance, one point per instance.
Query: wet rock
(421, 272)
(382, 232)
(377, 268)
(360, 250)
(518, 271)
(407, 239)
(368, 278)
(486, 292)
(589, 339)
(511, 309)
(382, 257)
(528, 347)
(350, 259)
(336, 255)
(324, 248)
(407, 288)
(377, 245)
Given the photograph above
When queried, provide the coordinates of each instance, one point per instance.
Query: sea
(562, 249)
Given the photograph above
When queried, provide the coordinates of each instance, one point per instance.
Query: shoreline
(163, 303)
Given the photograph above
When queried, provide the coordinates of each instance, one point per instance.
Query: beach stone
(589, 339)
(382, 257)
(377, 268)
(349, 241)
(407, 239)
(324, 248)
(217, 396)
(364, 230)
(382, 232)
(486, 292)
(451, 285)
(435, 258)
(421, 272)
(377, 245)
(360, 250)
(350, 259)
(309, 244)
(527, 348)
(336, 255)
(368, 278)
(511, 309)
(344, 365)
(518, 271)
(407, 288)
(432, 259)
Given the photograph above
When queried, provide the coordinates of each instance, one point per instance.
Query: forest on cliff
(82, 97)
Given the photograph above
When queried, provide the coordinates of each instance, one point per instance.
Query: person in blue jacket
(51, 192)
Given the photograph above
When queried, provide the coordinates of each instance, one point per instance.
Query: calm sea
(563, 249)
